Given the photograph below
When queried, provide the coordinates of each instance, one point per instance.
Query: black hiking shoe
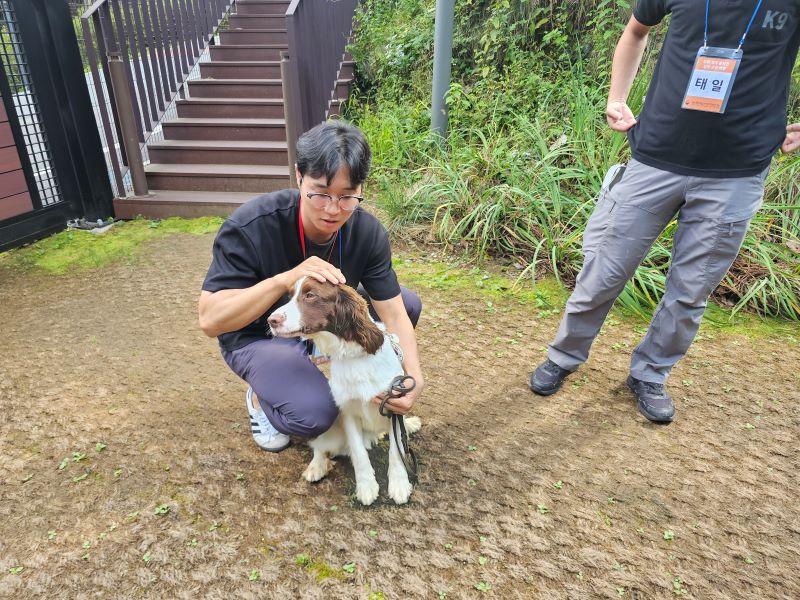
(547, 378)
(653, 400)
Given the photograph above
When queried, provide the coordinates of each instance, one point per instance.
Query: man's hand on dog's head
(313, 267)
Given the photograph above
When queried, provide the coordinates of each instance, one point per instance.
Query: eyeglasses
(321, 201)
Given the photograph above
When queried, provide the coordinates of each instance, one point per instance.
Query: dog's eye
(309, 296)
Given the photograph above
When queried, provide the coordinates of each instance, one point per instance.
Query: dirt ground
(128, 470)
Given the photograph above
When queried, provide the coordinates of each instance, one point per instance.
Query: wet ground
(128, 470)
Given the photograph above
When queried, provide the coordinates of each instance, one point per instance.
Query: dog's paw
(367, 492)
(317, 469)
(413, 424)
(400, 490)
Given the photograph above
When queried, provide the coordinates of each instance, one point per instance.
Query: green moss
(749, 325)
(484, 283)
(320, 569)
(323, 571)
(548, 297)
(73, 250)
(181, 498)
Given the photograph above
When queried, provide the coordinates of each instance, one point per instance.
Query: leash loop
(401, 385)
(398, 389)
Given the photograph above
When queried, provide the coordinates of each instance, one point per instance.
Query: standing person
(714, 116)
(265, 246)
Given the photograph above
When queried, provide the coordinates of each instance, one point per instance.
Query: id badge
(316, 353)
(712, 79)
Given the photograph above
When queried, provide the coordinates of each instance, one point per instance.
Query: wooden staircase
(228, 143)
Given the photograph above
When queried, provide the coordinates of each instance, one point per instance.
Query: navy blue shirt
(261, 239)
(743, 140)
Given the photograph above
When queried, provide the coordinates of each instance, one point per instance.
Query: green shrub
(528, 145)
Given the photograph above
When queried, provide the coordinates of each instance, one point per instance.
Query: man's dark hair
(324, 149)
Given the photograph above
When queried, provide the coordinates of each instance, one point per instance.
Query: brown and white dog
(363, 364)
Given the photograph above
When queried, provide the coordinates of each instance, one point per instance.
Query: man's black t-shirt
(261, 239)
(742, 141)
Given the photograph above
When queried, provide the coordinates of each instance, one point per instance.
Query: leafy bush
(528, 144)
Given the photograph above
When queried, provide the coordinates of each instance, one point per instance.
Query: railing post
(130, 133)
(289, 112)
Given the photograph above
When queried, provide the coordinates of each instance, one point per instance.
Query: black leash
(399, 389)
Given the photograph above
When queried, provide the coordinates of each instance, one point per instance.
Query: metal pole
(289, 110)
(130, 134)
(442, 57)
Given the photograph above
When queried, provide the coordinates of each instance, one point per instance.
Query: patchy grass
(318, 568)
(718, 318)
(548, 297)
(77, 250)
(489, 283)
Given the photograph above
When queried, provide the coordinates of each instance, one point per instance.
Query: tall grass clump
(528, 144)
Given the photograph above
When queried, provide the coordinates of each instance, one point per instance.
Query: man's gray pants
(712, 215)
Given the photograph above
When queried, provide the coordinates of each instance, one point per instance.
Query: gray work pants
(713, 215)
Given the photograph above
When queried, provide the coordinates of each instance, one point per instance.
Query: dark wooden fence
(318, 32)
(15, 197)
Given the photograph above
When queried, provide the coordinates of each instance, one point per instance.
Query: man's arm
(627, 57)
(393, 315)
(229, 310)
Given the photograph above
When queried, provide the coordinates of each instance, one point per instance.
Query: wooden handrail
(157, 43)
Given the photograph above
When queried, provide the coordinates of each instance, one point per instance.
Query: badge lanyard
(303, 235)
(714, 72)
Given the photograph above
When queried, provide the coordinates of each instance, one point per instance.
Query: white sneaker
(264, 433)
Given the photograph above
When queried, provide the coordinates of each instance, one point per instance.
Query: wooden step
(261, 7)
(236, 152)
(231, 108)
(253, 130)
(237, 37)
(235, 88)
(175, 203)
(247, 52)
(335, 107)
(218, 178)
(262, 21)
(342, 89)
(241, 69)
(347, 70)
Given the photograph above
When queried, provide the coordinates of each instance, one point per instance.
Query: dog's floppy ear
(351, 321)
